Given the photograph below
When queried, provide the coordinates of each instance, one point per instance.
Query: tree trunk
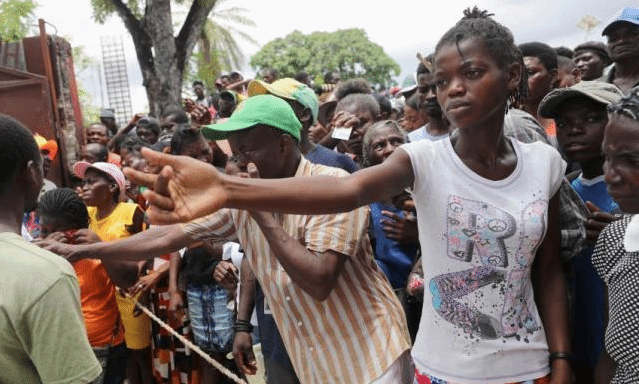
(165, 85)
(161, 56)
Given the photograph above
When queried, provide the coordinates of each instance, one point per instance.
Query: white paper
(341, 133)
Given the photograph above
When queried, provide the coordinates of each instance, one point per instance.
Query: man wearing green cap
(305, 104)
(339, 316)
(309, 259)
(313, 269)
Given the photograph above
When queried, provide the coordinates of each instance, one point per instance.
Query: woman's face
(472, 89)
(97, 189)
(383, 143)
(621, 167)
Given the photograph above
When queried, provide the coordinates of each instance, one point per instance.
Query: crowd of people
(476, 226)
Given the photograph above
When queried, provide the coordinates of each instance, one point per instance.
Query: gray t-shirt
(42, 334)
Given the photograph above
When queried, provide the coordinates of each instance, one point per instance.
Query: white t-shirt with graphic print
(479, 237)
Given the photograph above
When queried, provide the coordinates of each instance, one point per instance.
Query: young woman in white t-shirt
(487, 207)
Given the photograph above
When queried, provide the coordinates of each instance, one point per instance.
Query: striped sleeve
(216, 225)
(341, 232)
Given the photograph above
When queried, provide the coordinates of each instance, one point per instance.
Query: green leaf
(15, 17)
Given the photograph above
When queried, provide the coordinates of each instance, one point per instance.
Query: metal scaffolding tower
(115, 76)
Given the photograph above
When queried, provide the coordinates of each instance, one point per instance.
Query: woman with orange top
(111, 220)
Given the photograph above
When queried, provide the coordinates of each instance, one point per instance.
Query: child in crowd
(580, 117)
(63, 211)
(487, 207)
(615, 256)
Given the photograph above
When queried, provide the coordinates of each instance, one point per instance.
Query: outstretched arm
(186, 189)
(156, 241)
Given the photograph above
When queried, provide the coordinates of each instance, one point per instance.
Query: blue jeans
(211, 319)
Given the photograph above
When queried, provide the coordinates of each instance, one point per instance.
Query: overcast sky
(401, 27)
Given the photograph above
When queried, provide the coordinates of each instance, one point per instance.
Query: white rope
(189, 344)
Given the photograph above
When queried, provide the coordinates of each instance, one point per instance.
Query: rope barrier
(189, 344)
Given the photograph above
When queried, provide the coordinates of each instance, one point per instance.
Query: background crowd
(472, 226)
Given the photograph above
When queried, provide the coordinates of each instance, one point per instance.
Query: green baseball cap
(261, 109)
(287, 88)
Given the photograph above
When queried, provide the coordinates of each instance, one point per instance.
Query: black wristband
(561, 355)
(243, 326)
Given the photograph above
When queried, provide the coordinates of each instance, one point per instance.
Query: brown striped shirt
(359, 330)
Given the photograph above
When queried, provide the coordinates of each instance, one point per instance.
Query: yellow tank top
(113, 227)
(137, 330)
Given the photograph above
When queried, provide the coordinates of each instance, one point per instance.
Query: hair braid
(499, 42)
(65, 205)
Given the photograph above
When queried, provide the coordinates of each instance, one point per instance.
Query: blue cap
(624, 15)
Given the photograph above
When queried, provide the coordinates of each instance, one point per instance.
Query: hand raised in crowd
(59, 237)
(184, 189)
(243, 353)
(317, 132)
(58, 246)
(344, 119)
(134, 120)
(200, 115)
(402, 229)
(341, 119)
(226, 275)
(596, 222)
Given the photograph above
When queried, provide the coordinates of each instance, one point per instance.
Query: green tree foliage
(15, 16)
(217, 49)
(348, 50)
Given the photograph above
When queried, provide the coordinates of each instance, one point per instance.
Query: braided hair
(628, 106)
(64, 205)
(498, 40)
